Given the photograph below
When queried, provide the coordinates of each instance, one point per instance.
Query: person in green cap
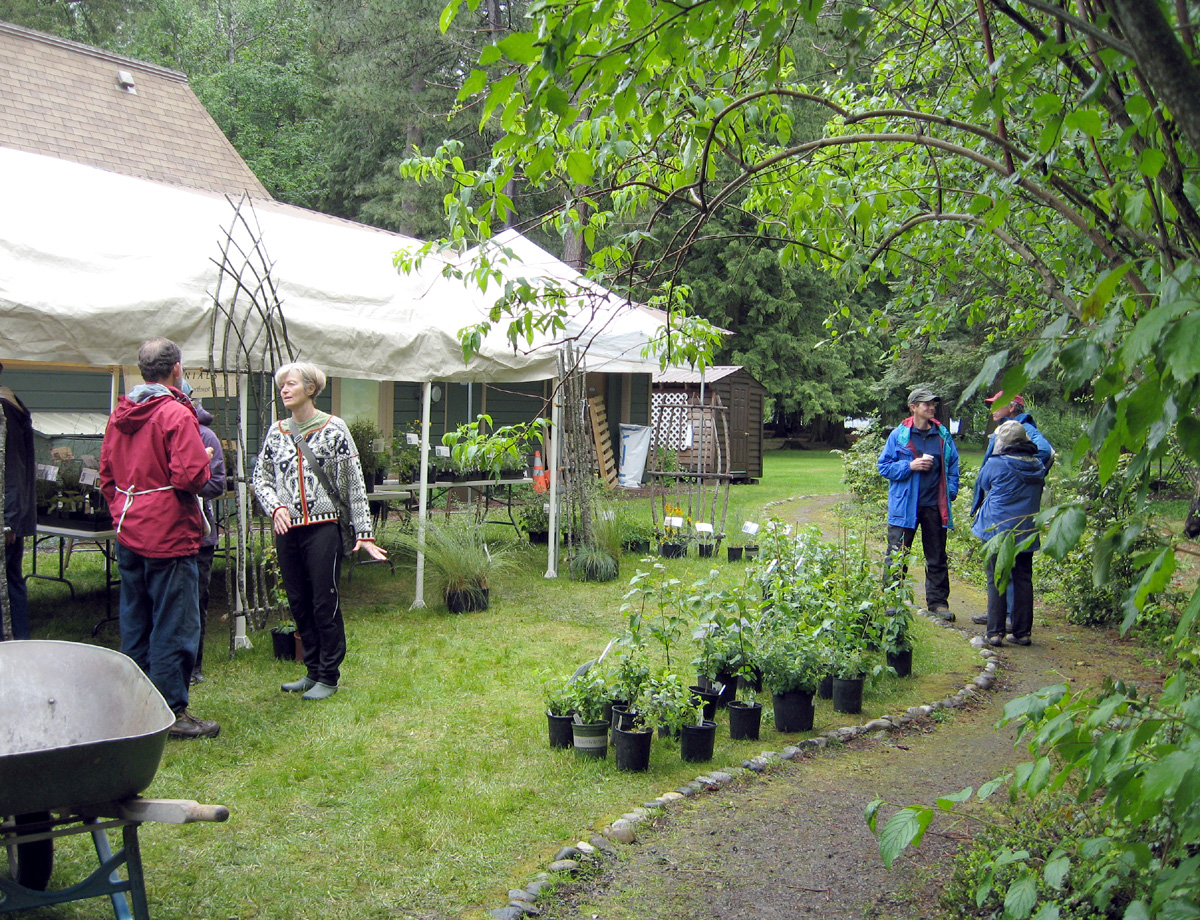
(920, 463)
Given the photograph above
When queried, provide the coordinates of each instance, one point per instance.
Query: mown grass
(426, 786)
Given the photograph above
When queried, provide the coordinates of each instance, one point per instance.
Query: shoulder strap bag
(345, 523)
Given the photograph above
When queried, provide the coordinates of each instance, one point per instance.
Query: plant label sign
(750, 528)
(674, 521)
(441, 450)
(702, 527)
(412, 438)
(88, 477)
(48, 472)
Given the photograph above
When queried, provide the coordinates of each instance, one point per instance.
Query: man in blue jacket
(1013, 410)
(920, 463)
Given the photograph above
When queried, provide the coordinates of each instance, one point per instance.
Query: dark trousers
(310, 561)
(204, 561)
(1020, 589)
(933, 542)
(18, 596)
(160, 620)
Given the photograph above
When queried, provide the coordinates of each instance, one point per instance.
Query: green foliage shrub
(860, 469)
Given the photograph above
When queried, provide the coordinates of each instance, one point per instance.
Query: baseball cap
(920, 395)
(1018, 400)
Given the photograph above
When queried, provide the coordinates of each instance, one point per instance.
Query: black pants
(1021, 583)
(933, 542)
(204, 561)
(310, 561)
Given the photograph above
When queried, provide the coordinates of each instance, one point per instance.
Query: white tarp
(93, 262)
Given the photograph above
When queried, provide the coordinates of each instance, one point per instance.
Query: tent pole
(114, 392)
(552, 462)
(240, 639)
(423, 497)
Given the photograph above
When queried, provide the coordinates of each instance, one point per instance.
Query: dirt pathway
(794, 844)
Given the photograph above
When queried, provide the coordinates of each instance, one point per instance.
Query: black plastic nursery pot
(638, 547)
(793, 711)
(735, 553)
(560, 730)
(672, 550)
(705, 550)
(622, 717)
(631, 749)
(590, 739)
(745, 720)
(825, 688)
(697, 742)
(729, 684)
(847, 694)
(284, 644)
(467, 601)
(709, 698)
(901, 661)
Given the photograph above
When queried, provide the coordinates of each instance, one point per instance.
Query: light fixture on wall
(435, 393)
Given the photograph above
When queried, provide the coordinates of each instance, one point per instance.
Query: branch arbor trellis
(248, 339)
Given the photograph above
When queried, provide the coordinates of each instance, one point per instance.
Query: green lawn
(426, 786)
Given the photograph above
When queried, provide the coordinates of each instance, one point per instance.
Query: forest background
(325, 98)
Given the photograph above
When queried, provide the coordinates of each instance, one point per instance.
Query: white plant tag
(750, 528)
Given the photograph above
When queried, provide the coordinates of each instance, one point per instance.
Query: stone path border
(623, 831)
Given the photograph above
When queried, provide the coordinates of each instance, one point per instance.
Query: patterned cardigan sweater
(282, 478)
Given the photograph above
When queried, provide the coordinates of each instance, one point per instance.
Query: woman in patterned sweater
(305, 520)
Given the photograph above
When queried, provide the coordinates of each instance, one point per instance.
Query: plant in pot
(560, 710)
(706, 539)
(654, 603)
(457, 551)
(366, 435)
(674, 534)
(895, 626)
(534, 518)
(283, 642)
(631, 735)
(792, 667)
(592, 563)
(668, 705)
(406, 456)
(717, 660)
(636, 536)
(849, 675)
(590, 698)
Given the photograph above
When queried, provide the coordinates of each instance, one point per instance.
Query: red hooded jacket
(152, 464)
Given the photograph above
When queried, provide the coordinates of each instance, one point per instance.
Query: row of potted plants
(813, 619)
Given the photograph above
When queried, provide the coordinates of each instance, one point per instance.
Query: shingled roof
(63, 99)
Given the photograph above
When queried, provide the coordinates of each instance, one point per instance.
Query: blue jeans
(18, 595)
(160, 620)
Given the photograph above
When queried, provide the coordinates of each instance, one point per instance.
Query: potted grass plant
(457, 551)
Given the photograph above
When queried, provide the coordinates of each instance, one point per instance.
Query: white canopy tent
(94, 262)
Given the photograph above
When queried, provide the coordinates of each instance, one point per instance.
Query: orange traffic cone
(541, 479)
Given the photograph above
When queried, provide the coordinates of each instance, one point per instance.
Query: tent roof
(93, 262)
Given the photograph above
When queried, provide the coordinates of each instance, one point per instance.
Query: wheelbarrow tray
(79, 724)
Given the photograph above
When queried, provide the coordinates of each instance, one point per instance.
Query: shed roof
(688, 375)
(67, 100)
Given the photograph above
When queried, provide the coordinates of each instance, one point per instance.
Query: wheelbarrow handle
(165, 811)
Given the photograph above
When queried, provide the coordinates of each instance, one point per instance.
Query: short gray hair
(1010, 433)
(157, 358)
(310, 375)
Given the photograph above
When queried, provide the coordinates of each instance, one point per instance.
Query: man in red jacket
(152, 465)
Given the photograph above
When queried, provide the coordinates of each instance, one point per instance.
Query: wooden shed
(676, 417)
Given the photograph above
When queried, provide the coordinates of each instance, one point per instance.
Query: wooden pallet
(602, 439)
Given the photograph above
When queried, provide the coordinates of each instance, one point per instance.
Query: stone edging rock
(623, 831)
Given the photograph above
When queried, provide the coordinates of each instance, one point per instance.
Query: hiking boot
(298, 686)
(188, 726)
(994, 641)
(942, 612)
(320, 691)
(1021, 640)
(980, 619)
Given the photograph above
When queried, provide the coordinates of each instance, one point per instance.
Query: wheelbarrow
(82, 731)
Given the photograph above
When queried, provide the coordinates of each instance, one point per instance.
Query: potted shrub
(285, 642)
(534, 519)
(405, 456)
(636, 536)
(668, 705)
(365, 434)
(706, 540)
(560, 712)
(895, 630)
(590, 697)
(673, 536)
(849, 674)
(457, 551)
(792, 666)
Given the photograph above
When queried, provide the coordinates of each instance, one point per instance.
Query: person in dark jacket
(20, 506)
(920, 462)
(152, 466)
(1014, 409)
(1011, 487)
(214, 488)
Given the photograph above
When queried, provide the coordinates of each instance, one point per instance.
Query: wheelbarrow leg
(133, 866)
